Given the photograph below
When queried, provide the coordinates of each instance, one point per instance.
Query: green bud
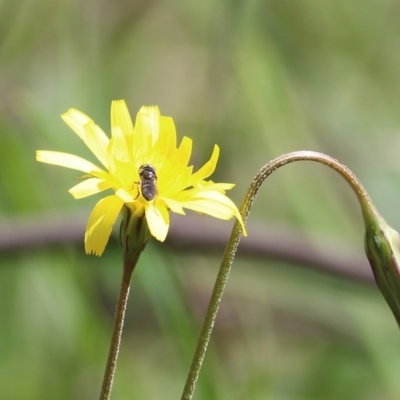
(134, 232)
(382, 244)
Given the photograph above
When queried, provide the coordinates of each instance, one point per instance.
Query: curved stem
(117, 330)
(362, 196)
(229, 254)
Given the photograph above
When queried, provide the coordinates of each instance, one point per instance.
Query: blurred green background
(259, 78)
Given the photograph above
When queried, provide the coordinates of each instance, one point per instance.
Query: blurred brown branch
(194, 234)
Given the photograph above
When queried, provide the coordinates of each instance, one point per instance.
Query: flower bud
(382, 246)
(134, 232)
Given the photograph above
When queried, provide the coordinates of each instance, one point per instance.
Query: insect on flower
(163, 176)
(148, 180)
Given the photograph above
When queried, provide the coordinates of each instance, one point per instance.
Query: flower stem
(117, 330)
(367, 207)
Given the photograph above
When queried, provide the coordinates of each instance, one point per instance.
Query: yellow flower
(138, 159)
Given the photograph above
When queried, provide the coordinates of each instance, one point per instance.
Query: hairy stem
(117, 330)
(231, 247)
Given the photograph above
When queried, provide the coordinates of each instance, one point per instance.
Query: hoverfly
(148, 181)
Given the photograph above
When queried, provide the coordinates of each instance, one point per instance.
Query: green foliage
(259, 78)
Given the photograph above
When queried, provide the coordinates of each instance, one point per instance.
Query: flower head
(145, 168)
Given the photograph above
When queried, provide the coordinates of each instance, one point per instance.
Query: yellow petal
(167, 127)
(117, 147)
(97, 141)
(125, 196)
(211, 203)
(158, 220)
(184, 150)
(219, 187)
(100, 224)
(166, 143)
(208, 168)
(120, 117)
(174, 205)
(173, 177)
(215, 204)
(66, 160)
(76, 120)
(122, 133)
(89, 187)
(124, 170)
(93, 136)
(148, 123)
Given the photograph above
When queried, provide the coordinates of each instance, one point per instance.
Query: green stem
(117, 330)
(367, 209)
